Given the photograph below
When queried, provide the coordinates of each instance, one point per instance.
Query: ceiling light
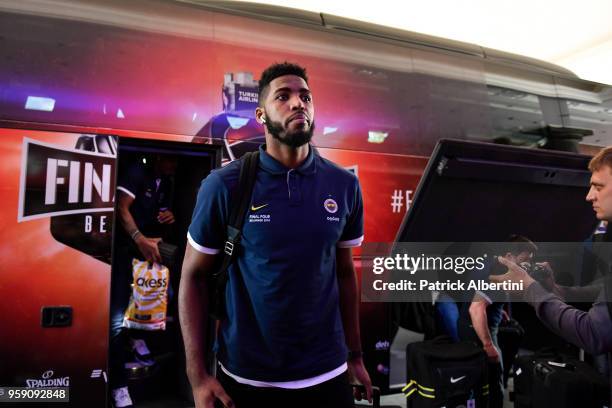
(40, 103)
(327, 130)
(377, 136)
(237, 122)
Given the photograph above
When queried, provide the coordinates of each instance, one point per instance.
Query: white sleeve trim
(290, 385)
(200, 248)
(351, 243)
(126, 191)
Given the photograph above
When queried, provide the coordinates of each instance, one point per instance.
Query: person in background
(590, 330)
(144, 195)
(479, 319)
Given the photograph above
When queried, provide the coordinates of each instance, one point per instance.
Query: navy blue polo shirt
(151, 193)
(284, 320)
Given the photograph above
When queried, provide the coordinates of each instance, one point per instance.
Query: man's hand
(515, 274)
(358, 374)
(193, 314)
(165, 217)
(148, 248)
(493, 353)
(547, 278)
(208, 391)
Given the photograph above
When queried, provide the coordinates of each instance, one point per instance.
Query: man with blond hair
(590, 330)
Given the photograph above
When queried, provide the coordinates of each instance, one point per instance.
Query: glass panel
(588, 105)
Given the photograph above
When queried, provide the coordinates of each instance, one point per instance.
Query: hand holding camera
(543, 273)
(515, 274)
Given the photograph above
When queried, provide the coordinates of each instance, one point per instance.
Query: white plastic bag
(149, 300)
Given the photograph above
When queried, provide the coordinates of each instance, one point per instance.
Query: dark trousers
(496, 385)
(121, 290)
(334, 393)
(495, 370)
(447, 313)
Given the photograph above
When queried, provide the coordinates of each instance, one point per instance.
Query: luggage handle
(375, 394)
(567, 366)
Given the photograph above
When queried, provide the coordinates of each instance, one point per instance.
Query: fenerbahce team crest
(331, 207)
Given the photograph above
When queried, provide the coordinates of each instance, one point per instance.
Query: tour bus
(88, 88)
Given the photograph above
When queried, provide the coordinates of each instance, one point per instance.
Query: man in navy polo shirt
(291, 337)
(144, 195)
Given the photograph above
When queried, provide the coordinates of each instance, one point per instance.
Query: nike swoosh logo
(454, 380)
(253, 208)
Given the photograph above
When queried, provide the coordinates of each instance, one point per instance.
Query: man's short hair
(520, 243)
(277, 70)
(603, 158)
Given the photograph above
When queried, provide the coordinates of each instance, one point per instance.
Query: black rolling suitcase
(441, 373)
(523, 381)
(545, 380)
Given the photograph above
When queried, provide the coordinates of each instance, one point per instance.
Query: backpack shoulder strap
(239, 207)
(242, 199)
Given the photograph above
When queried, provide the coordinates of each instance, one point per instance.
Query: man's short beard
(292, 139)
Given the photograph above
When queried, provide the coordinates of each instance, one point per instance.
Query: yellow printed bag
(149, 300)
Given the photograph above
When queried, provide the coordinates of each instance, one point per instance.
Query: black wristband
(354, 354)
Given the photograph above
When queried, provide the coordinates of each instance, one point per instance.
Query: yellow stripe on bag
(426, 395)
(408, 385)
(138, 267)
(418, 388)
(425, 388)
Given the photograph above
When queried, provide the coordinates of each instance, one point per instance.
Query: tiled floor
(398, 400)
(390, 401)
(386, 401)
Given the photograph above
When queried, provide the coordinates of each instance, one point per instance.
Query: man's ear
(260, 115)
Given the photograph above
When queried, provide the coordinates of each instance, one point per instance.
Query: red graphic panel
(388, 183)
(40, 271)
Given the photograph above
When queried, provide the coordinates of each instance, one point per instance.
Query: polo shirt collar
(271, 165)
